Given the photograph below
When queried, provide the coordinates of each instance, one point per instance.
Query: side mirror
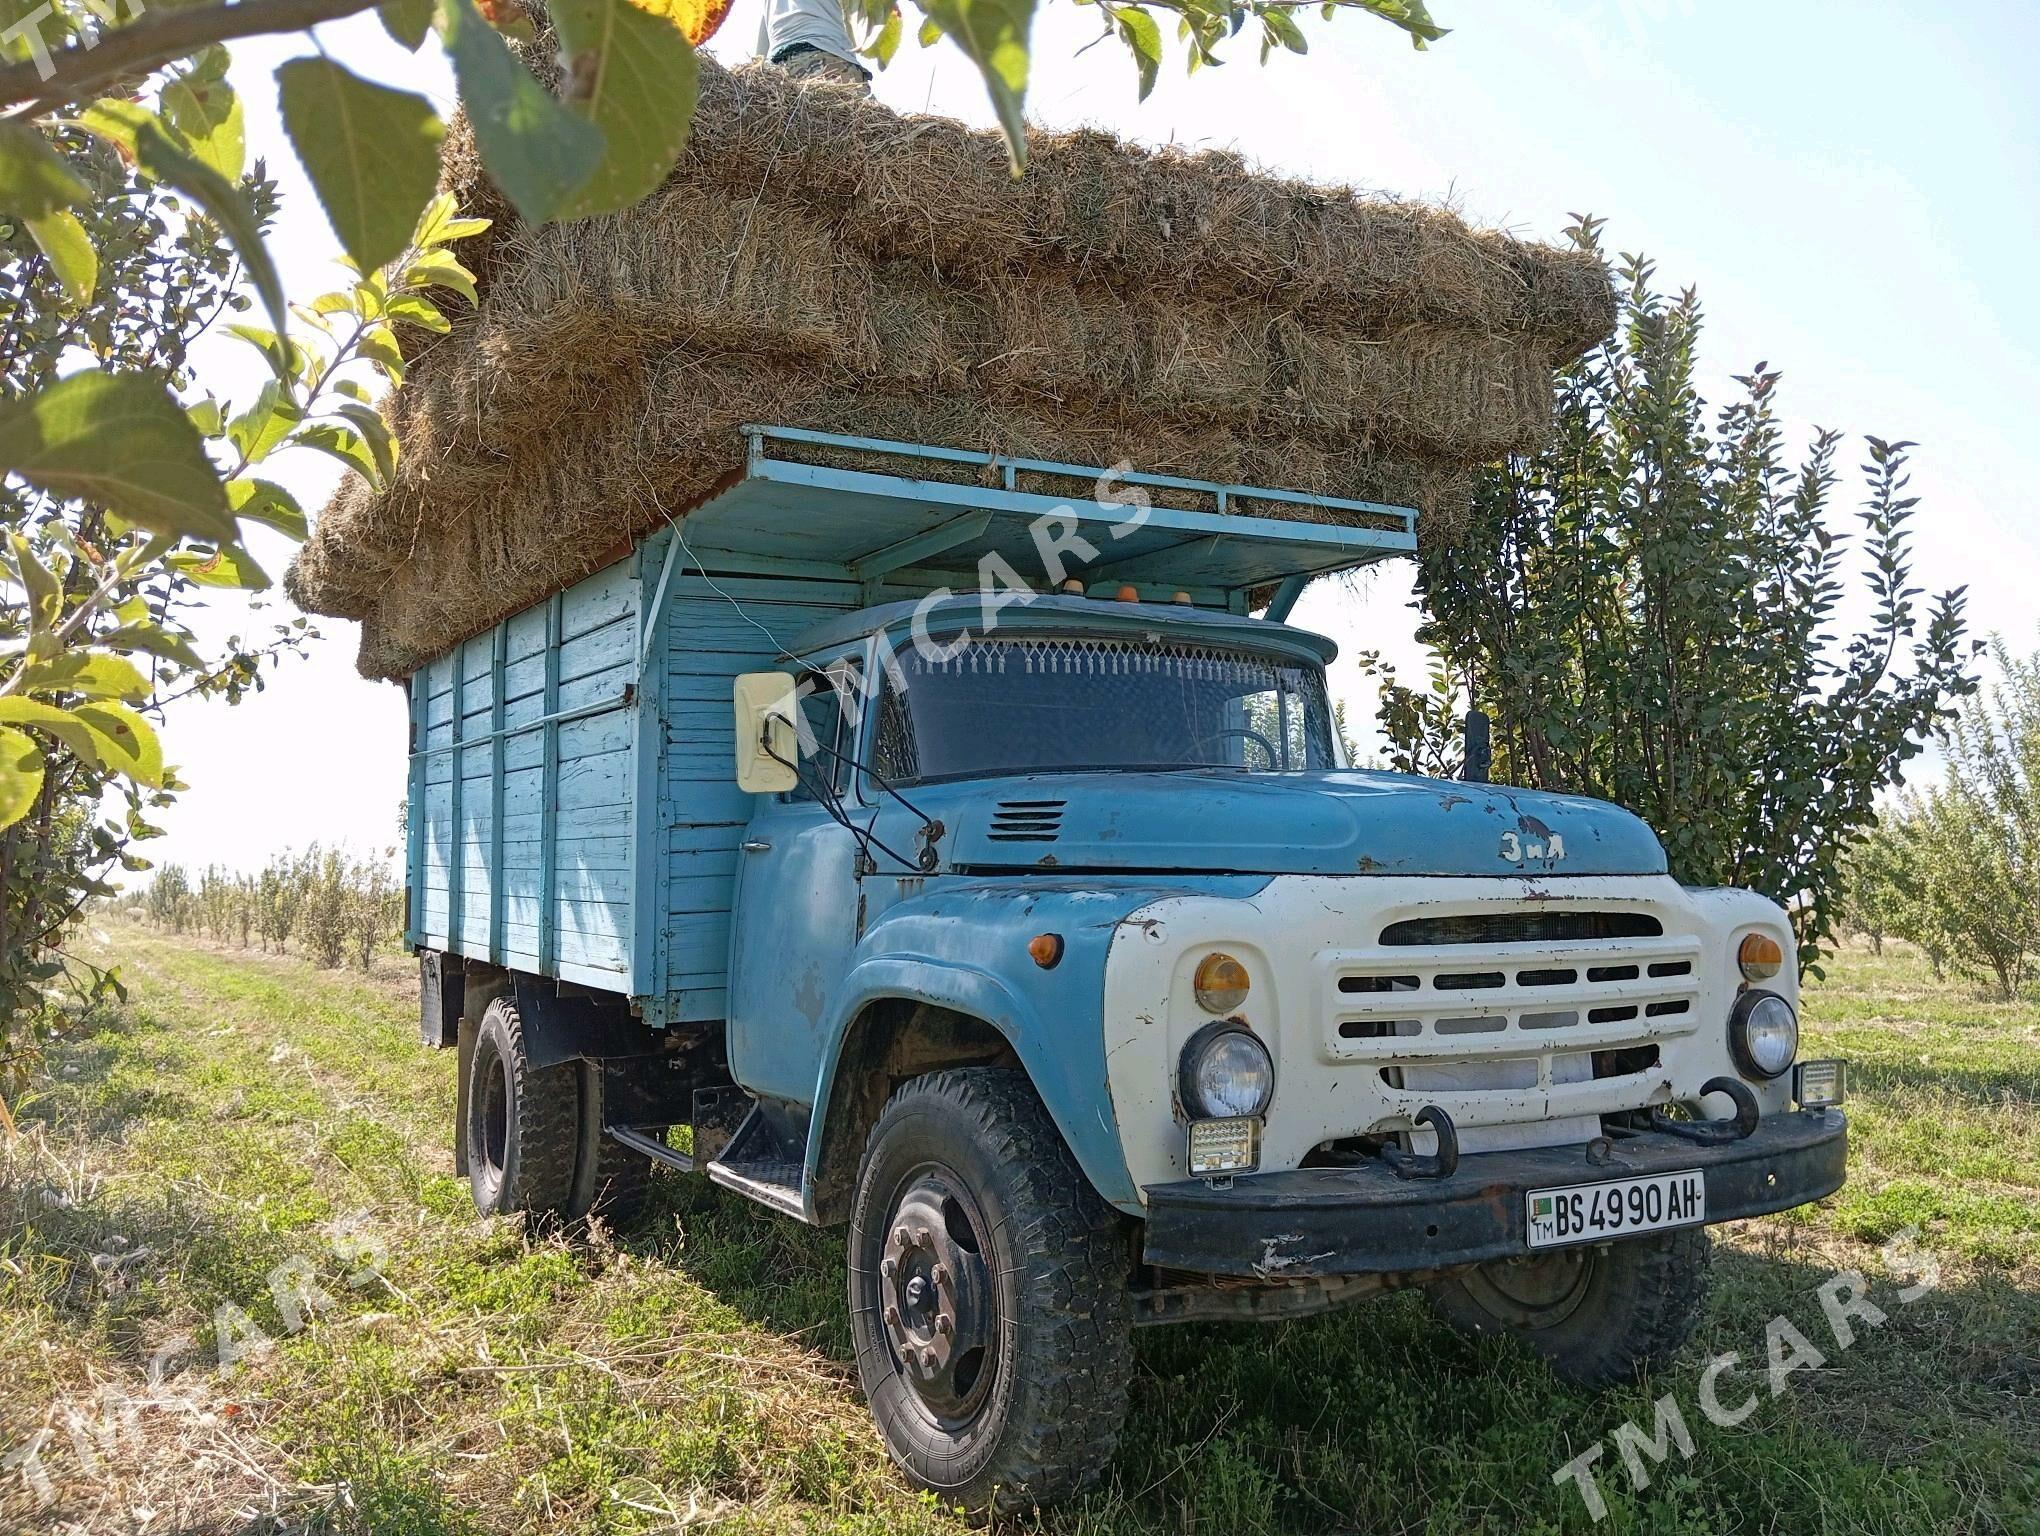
(768, 736)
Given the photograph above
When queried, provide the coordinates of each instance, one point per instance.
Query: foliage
(1956, 870)
(370, 151)
(129, 487)
(336, 907)
(1648, 609)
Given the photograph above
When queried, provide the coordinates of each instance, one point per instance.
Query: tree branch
(159, 38)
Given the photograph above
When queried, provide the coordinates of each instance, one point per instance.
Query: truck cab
(1069, 963)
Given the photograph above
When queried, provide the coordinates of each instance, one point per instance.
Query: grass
(693, 1371)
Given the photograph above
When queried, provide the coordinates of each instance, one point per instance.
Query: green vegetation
(1655, 610)
(339, 908)
(1956, 870)
(693, 1370)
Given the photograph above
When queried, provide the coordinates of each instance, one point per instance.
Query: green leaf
(207, 112)
(148, 142)
(127, 743)
(1282, 26)
(1140, 32)
(930, 34)
(68, 249)
(442, 269)
(154, 640)
(372, 154)
(88, 674)
(634, 75)
(376, 433)
(344, 444)
(228, 566)
(380, 348)
(267, 422)
(53, 721)
(21, 774)
(539, 151)
(123, 441)
(34, 179)
(994, 34)
(206, 416)
(407, 20)
(887, 42)
(263, 501)
(45, 593)
(414, 309)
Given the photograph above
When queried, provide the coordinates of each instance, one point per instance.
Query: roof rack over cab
(902, 518)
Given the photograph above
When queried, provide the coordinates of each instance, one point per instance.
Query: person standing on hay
(810, 40)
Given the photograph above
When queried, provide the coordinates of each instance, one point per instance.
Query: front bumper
(1359, 1221)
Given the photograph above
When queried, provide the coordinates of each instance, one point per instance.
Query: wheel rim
(1535, 1291)
(936, 1299)
(495, 1122)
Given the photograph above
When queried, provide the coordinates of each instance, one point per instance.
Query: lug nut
(928, 1361)
(922, 1237)
(889, 1268)
(943, 1324)
(892, 1315)
(939, 1275)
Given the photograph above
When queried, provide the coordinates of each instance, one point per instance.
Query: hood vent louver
(1026, 821)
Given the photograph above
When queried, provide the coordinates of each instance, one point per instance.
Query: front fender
(962, 945)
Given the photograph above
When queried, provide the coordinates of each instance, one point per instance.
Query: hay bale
(818, 261)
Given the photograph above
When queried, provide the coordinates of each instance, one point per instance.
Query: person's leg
(815, 64)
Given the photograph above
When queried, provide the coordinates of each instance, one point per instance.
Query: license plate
(1592, 1213)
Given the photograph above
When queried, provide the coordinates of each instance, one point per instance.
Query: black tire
(1600, 1315)
(610, 1180)
(965, 1158)
(523, 1130)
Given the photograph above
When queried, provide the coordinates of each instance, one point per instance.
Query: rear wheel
(522, 1134)
(988, 1295)
(1600, 1315)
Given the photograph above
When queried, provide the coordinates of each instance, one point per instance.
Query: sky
(1853, 187)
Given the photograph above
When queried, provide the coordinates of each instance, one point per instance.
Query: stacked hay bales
(816, 260)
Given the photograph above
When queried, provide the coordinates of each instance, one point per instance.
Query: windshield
(1041, 705)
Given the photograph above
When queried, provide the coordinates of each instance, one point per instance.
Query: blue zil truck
(918, 848)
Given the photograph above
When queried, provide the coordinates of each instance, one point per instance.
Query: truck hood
(1341, 823)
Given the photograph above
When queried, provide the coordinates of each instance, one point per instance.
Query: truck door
(795, 919)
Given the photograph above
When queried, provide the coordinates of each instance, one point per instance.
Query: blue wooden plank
(549, 773)
(454, 871)
(414, 816)
(648, 870)
(498, 663)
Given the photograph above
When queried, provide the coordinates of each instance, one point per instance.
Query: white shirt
(818, 23)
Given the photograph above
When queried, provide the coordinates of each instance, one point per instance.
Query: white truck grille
(1554, 1021)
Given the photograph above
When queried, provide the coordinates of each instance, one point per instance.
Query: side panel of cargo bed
(710, 636)
(524, 787)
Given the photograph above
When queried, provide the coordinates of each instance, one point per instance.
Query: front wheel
(1600, 1315)
(988, 1295)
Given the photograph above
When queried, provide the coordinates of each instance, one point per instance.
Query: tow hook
(1713, 1133)
(1439, 1165)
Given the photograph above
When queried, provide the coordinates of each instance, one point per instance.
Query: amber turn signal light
(1221, 983)
(1760, 956)
(1046, 950)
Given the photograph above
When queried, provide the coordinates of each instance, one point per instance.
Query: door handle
(756, 845)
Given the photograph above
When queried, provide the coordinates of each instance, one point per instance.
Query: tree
(128, 486)
(1647, 609)
(1954, 870)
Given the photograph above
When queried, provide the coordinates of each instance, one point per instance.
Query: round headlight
(1220, 984)
(1225, 1074)
(1763, 1032)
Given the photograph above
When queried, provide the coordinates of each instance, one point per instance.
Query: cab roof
(990, 613)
